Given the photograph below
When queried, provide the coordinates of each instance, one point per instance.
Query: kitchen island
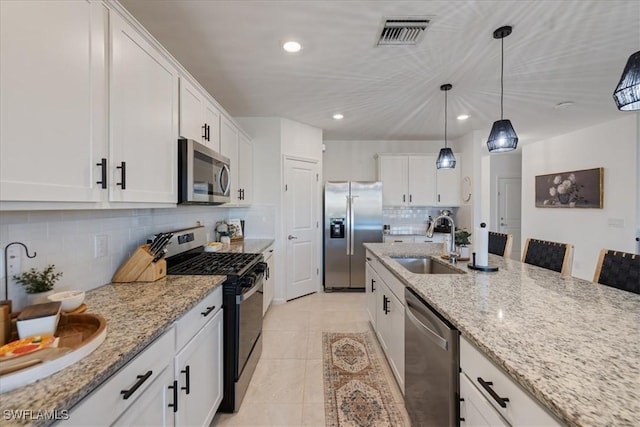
(572, 344)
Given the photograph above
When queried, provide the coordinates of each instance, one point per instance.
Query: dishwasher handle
(429, 333)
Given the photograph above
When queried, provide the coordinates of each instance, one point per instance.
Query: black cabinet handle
(239, 193)
(368, 259)
(410, 198)
(123, 176)
(141, 379)
(502, 401)
(174, 405)
(208, 133)
(372, 288)
(438, 197)
(385, 304)
(209, 310)
(404, 198)
(204, 131)
(103, 173)
(187, 379)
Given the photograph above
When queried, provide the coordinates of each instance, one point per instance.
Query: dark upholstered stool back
(550, 255)
(619, 270)
(500, 244)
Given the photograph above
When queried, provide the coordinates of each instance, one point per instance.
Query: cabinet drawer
(521, 409)
(397, 239)
(475, 410)
(197, 317)
(107, 403)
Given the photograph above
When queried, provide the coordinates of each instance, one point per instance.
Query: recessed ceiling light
(292, 47)
(338, 116)
(463, 117)
(563, 105)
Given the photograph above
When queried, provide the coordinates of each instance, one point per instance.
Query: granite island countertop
(136, 313)
(573, 344)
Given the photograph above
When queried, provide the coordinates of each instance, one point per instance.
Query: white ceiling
(558, 51)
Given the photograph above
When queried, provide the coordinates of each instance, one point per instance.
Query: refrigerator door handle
(349, 225)
(352, 226)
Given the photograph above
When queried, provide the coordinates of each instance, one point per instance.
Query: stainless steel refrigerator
(352, 216)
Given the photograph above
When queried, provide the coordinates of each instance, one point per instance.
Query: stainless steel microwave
(203, 175)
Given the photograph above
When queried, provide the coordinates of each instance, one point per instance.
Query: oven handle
(249, 294)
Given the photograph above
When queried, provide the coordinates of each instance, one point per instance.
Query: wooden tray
(79, 335)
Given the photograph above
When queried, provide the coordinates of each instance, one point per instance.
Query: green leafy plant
(35, 281)
(462, 238)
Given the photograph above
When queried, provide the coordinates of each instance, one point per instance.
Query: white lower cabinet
(385, 306)
(198, 369)
(268, 285)
(492, 398)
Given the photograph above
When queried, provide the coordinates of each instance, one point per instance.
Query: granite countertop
(573, 344)
(136, 313)
(249, 246)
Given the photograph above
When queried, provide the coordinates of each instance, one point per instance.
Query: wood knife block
(140, 268)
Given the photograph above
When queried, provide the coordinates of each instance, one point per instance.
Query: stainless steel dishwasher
(431, 366)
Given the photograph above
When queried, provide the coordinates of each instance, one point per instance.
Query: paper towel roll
(481, 245)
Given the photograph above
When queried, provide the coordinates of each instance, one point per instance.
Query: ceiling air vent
(402, 31)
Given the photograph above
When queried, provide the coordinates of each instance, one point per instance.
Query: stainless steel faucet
(453, 255)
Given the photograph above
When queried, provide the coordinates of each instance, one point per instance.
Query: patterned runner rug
(356, 390)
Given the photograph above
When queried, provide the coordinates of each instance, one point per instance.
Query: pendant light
(446, 159)
(627, 93)
(502, 137)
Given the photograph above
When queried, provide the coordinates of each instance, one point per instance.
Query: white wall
(66, 239)
(613, 146)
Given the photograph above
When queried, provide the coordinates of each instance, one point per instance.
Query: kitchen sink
(424, 265)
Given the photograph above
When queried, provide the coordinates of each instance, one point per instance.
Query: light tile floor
(287, 387)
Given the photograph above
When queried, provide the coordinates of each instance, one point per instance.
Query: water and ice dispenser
(336, 228)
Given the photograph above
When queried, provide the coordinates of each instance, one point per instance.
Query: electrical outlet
(14, 261)
(101, 246)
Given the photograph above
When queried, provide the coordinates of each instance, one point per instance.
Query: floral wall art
(574, 189)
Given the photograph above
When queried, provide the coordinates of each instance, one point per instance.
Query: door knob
(291, 237)
(503, 224)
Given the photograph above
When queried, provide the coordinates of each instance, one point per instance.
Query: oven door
(203, 174)
(249, 318)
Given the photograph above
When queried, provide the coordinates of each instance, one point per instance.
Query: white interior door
(509, 210)
(301, 227)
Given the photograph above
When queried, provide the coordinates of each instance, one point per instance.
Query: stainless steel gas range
(242, 305)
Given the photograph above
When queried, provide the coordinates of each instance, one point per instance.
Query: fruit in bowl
(70, 299)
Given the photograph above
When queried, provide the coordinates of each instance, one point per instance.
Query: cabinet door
(422, 180)
(191, 108)
(212, 120)
(269, 282)
(475, 410)
(229, 148)
(199, 373)
(152, 407)
(383, 324)
(449, 185)
(54, 100)
(372, 285)
(245, 172)
(395, 340)
(144, 118)
(393, 172)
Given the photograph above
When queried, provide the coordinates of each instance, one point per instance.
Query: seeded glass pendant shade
(627, 93)
(446, 159)
(502, 137)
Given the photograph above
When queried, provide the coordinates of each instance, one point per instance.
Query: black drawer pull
(141, 379)
(502, 401)
(123, 168)
(103, 173)
(372, 288)
(174, 387)
(187, 379)
(209, 310)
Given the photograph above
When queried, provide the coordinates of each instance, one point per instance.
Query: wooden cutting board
(33, 358)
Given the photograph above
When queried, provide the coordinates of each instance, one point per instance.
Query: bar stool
(500, 244)
(550, 255)
(619, 270)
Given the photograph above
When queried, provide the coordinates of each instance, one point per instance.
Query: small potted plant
(39, 284)
(462, 242)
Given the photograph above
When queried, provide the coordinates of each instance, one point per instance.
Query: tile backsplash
(411, 220)
(67, 239)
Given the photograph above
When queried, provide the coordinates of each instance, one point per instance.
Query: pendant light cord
(502, 81)
(445, 118)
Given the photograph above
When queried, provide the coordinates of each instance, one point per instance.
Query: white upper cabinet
(53, 100)
(199, 118)
(144, 119)
(413, 180)
(235, 146)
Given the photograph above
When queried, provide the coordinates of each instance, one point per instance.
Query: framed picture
(235, 229)
(573, 189)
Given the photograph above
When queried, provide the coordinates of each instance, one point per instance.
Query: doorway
(301, 228)
(509, 211)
